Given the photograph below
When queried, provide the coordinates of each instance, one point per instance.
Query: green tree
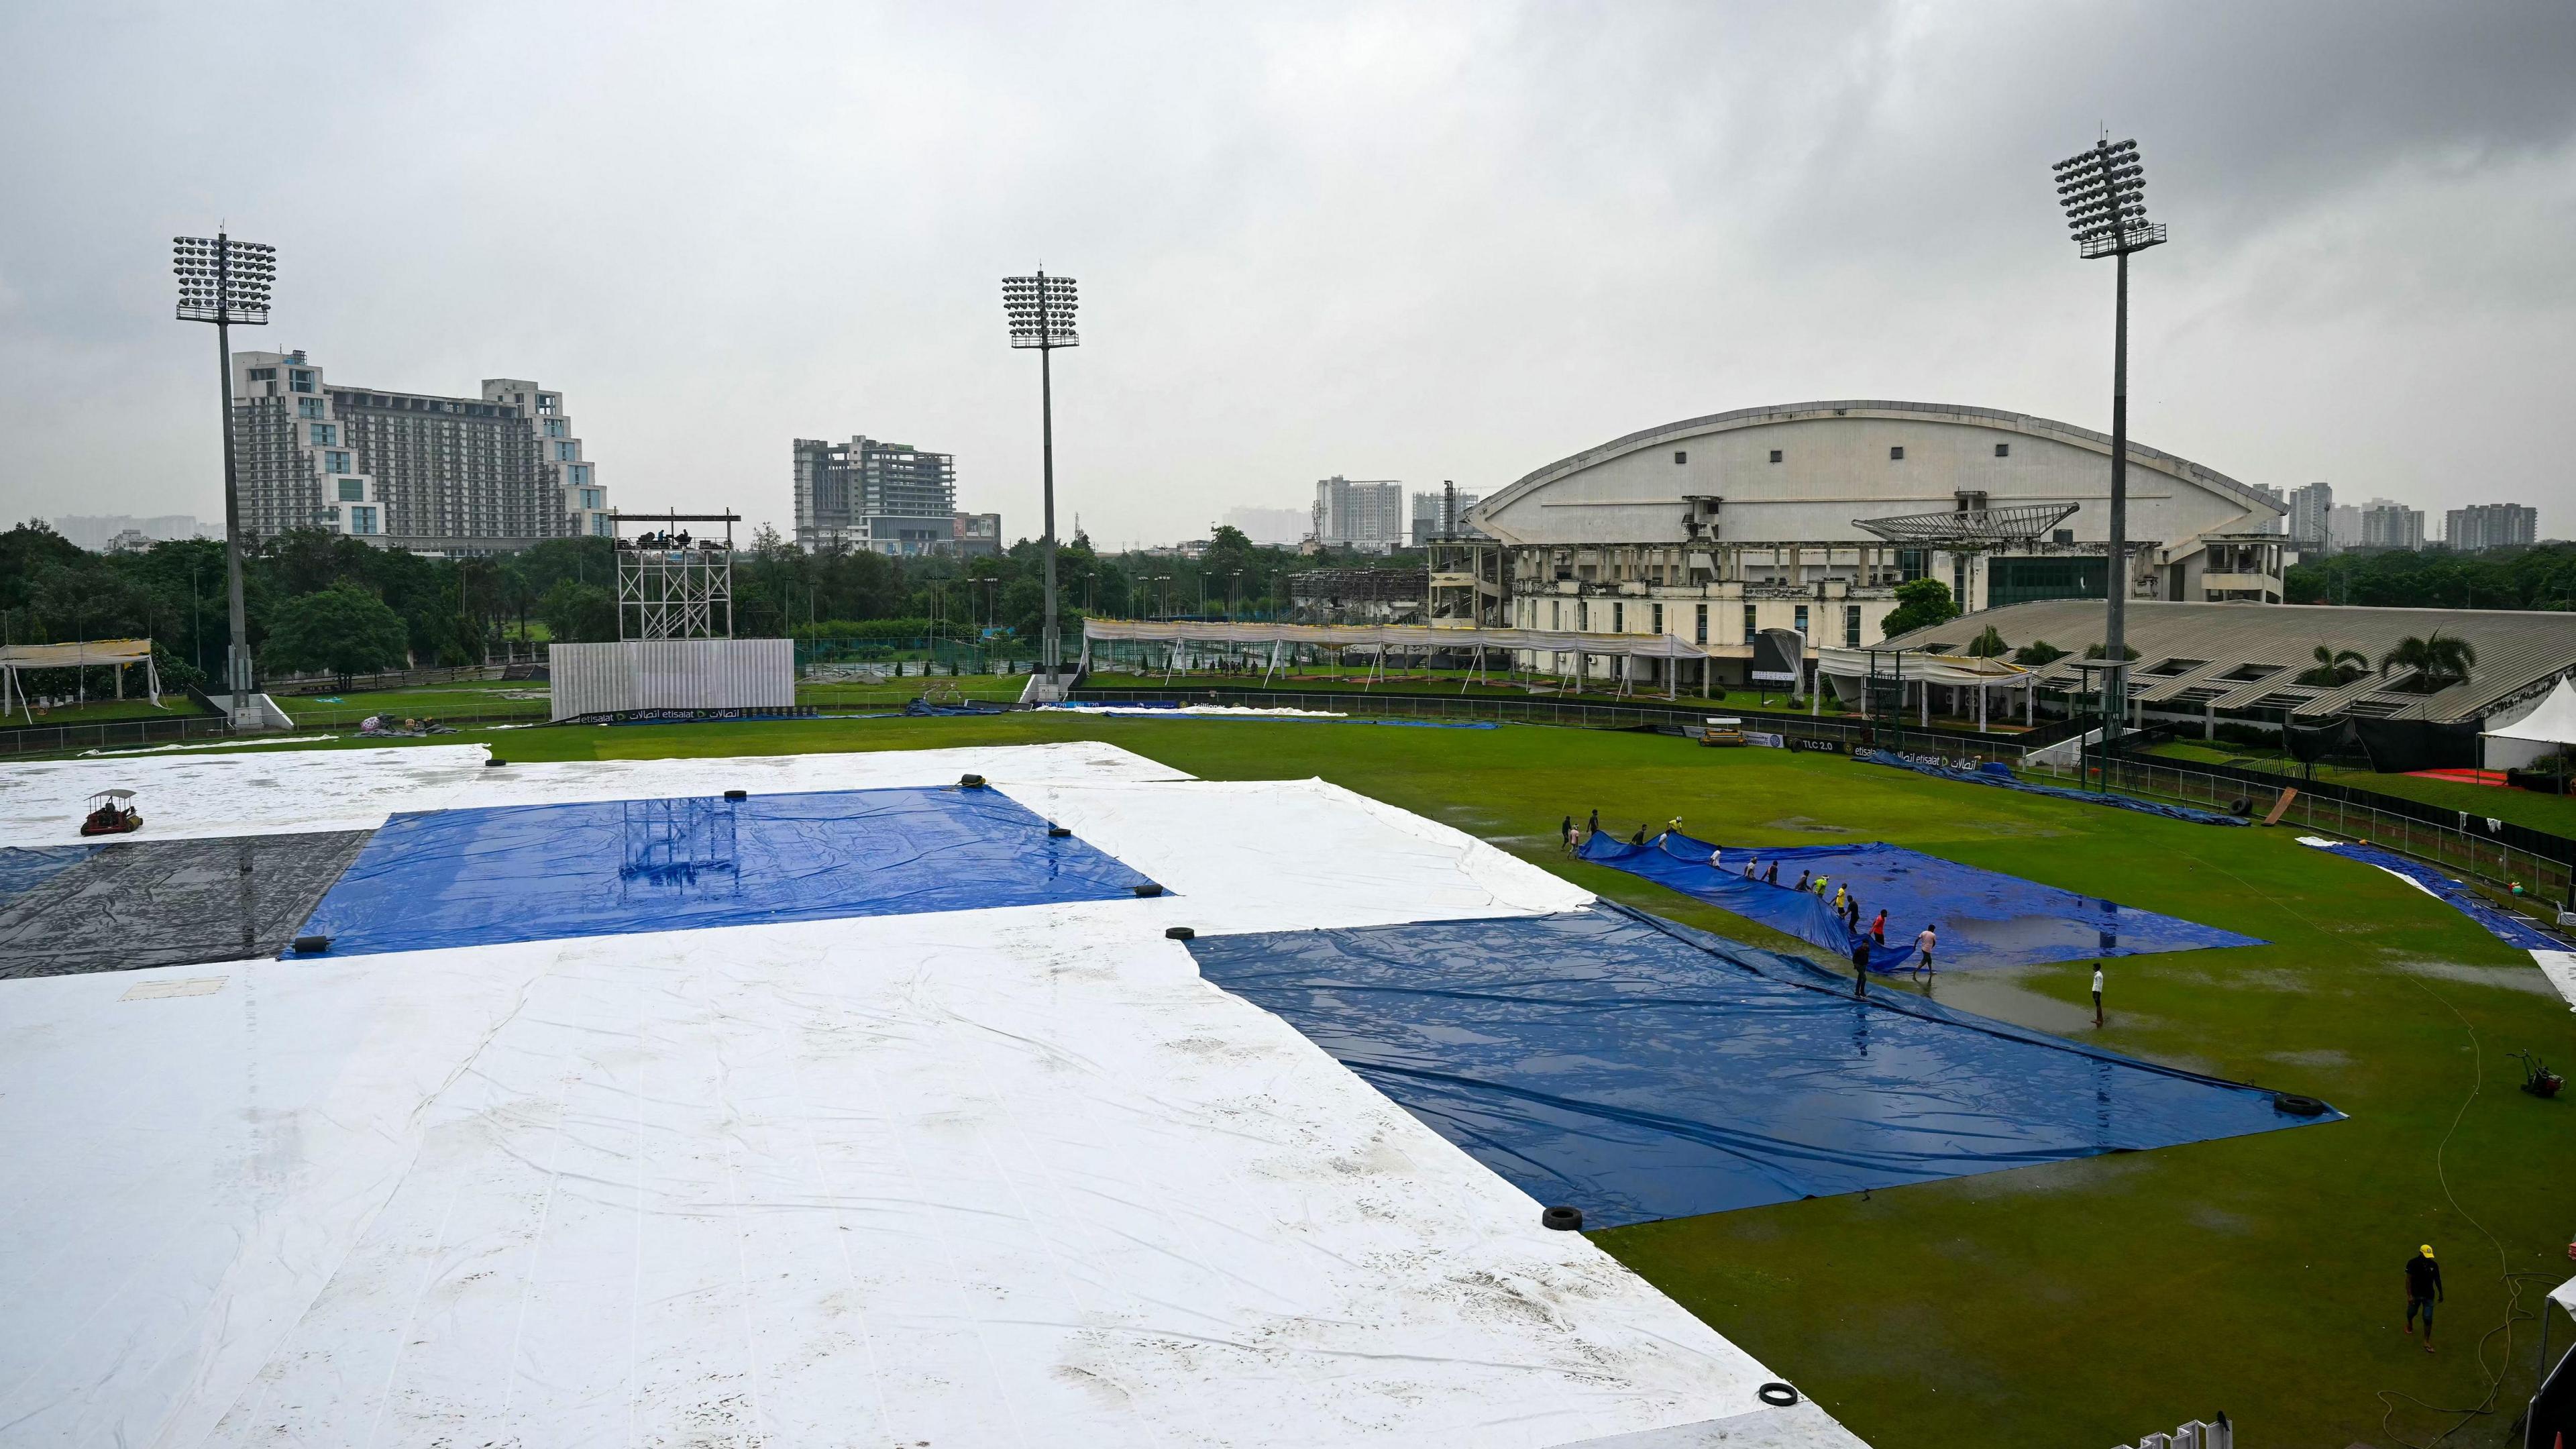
(2335, 668)
(578, 613)
(2036, 653)
(341, 630)
(2097, 651)
(2439, 661)
(1989, 645)
(1920, 604)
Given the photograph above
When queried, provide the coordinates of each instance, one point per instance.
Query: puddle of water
(2508, 978)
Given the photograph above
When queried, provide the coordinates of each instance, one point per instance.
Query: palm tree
(2336, 667)
(2439, 662)
(1989, 645)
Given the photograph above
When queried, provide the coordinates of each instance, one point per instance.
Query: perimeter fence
(106, 734)
(2502, 855)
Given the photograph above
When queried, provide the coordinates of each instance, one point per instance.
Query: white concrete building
(876, 497)
(450, 476)
(1714, 529)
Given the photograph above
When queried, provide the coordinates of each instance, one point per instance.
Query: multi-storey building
(875, 497)
(1361, 513)
(2387, 523)
(450, 476)
(979, 535)
(2312, 517)
(1441, 515)
(2490, 525)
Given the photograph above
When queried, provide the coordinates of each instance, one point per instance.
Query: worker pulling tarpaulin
(1978, 917)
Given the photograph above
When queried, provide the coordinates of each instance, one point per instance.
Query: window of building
(352, 490)
(1775, 455)
(2003, 450)
(263, 374)
(1699, 628)
(590, 498)
(335, 462)
(545, 402)
(566, 452)
(1555, 614)
(2063, 535)
(1896, 454)
(1618, 618)
(298, 380)
(580, 473)
(1659, 619)
(310, 407)
(554, 427)
(1851, 626)
(1751, 628)
(1959, 579)
(1911, 563)
(362, 519)
(1680, 457)
(324, 435)
(599, 524)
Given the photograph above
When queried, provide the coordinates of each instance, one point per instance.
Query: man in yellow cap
(2423, 1290)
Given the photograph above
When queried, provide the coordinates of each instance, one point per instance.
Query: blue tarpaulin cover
(1983, 918)
(2007, 780)
(1639, 1070)
(2457, 893)
(540, 872)
(23, 868)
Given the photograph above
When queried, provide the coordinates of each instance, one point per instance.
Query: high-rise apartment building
(2490, 525)
(1362, 513)
(2273, 526)
(451, 476)
(2387, 523)
(1441, 515)
(2311, 515)
(876, 497)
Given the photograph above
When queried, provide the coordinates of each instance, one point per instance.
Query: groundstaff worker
(2097, 993)
(1924, 943)
(2423, 1290)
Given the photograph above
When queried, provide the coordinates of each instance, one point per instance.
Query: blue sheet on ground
(539, 872)
(1639, 1070)
(2006, 779)
(1981, 917)
(2458, 894)
(23, 868)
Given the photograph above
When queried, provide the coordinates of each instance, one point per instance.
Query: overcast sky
(1418, 242)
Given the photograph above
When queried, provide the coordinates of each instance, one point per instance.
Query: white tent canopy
(1378, 641)
(118, 654)
(1848, 671)
(2553, 722)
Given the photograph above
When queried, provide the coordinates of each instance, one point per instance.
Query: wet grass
(2085, 1302)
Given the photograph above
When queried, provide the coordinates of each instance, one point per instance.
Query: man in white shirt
(2097, 993)
(1924, 943)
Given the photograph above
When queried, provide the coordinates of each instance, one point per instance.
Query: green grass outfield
(2084, 1303)
(2553, 813)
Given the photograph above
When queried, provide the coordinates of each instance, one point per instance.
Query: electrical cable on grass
(2512, 1281)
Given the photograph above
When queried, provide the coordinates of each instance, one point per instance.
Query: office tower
(2311, 515)
(879, 497)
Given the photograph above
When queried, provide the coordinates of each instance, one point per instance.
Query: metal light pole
(2104, 191)
(227, 282)
(1040, 311)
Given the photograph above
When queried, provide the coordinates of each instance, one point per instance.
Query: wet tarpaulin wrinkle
(1645, 1070)
(2006, 779)
(540, 872)
(1981, 917)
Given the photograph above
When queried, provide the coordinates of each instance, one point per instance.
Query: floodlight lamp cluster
(223, 280)
(2104, 191)
(1040, 310)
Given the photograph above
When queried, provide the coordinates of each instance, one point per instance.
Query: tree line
(323, 602)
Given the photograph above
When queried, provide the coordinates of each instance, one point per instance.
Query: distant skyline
(1429, 242)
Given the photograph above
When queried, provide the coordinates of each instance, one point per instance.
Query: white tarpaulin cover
(1919, 668)
(985, 1177)
(1408, 638)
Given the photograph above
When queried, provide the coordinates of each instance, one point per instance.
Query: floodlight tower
(227, 282)
(1040, 311)
(2104, 191)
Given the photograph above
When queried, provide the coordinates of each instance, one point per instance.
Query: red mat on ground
(2462, 777)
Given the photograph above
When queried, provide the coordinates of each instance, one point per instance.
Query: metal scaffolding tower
(670, 585)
